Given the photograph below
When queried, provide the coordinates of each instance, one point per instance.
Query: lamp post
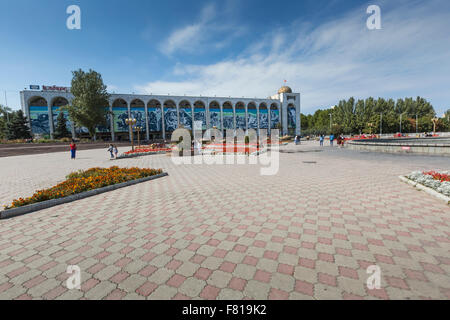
(139, 129)
(331, 117)
(401, 114)
(371, 125)
(381, 124)
(435, 121)
(131, 122)
(417, 124)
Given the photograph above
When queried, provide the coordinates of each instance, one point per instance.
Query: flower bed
(81, 181)
(438, 181)
(147, 150)
(141, 152)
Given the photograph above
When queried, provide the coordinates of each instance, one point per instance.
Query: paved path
(10, 150)
(226, 232)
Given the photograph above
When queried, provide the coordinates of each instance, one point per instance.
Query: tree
(17, 128)
(446, 120)
(355, 116)
(61, 127)
(5, 116)
(90, 101)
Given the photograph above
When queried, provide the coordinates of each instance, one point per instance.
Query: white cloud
(335, 60)
(112, 88)
(210, 32)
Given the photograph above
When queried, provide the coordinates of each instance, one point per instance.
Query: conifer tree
(61, 127)
(18, 128)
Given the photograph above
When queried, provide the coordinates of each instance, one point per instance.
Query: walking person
(73, 150)
(331, 140)
(321, 139)
(116, 151)
(111, 151)
(342, 141)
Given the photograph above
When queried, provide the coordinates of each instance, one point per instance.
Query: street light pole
(381, 123)
(435, 121)
(417, 124)
(401, 114)
(138, 129)
(331, 119)
(131, 122)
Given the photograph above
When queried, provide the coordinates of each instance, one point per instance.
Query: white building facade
(159, 115)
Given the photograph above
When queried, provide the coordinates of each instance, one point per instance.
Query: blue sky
(232, 48)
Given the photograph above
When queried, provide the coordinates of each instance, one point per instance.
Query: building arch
(119, 115)
(37, 101)
(240, 115)
(59, 102)
(170, 116)
(56, 104)
(154, 115)
(137, 103)
(215, 115)
(119, 103)
(137, 111)
(38, 115)
(263, 116)
(185, 114)
(200, 113)
(228, 115)
(275, 117)
(252, 116)
(291, 119)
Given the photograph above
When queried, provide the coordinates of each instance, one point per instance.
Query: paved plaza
(227, 232)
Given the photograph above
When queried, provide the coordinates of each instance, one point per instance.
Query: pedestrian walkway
(226, 232)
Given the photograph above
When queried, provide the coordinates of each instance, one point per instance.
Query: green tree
(364, 116)
(90, 101)
(17, 128)
(447, 120)
(5, 116)
(61, 127)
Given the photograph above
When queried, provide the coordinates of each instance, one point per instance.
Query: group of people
(340, 140)
(113, 151)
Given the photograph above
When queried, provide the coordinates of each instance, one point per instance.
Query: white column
(147, 132)
(111, 124)
(234, 117)
(246, 116)
(257, 119)
(50, 119)
(221, 120)
(129, 116)
(192, 117)
(207, 115)
(298, 128)
(284, 118)
(178, 114)
(163, 125)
